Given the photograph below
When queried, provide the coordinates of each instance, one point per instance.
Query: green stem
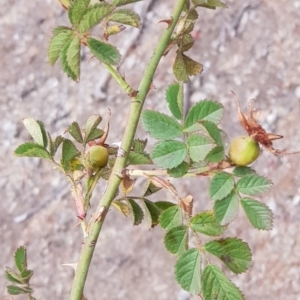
(161, 172)
(98, 217)
(120, 80)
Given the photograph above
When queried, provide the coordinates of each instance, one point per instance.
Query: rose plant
(191, 145)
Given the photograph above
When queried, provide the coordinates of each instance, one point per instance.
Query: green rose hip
(97, 156)
(243, 151)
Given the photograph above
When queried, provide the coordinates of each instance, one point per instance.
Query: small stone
(183, 295)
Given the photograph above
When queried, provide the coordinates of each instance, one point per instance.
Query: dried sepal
(187, 204)
(127, 184)
(250, 122)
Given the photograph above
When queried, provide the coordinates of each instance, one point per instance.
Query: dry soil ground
(252, 48)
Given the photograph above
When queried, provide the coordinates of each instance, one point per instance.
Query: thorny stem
(137, 102)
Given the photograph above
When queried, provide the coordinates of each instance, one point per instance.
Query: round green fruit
(98, 156)
(243, 151)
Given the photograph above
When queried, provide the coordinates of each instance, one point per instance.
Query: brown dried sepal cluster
(249, 121)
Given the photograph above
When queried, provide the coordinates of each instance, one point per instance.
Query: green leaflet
(206, 223)
(221, 185)
(32, 150)
(77, 10)
(187, 271)
(126, 17)
(160, 126)
(215, 285)
(70, 58)
(226, 209)
(259, 215)
(172, 98)
(171, 217)
(61, 36)
(234, 253)
(106, 53)
(176, 240)
(123, 2)
(136, 212)
(205, 110)
(199, 146)
(253, 184)
(184, 67)
(69, 152)
(93, 16)
(169, 154)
